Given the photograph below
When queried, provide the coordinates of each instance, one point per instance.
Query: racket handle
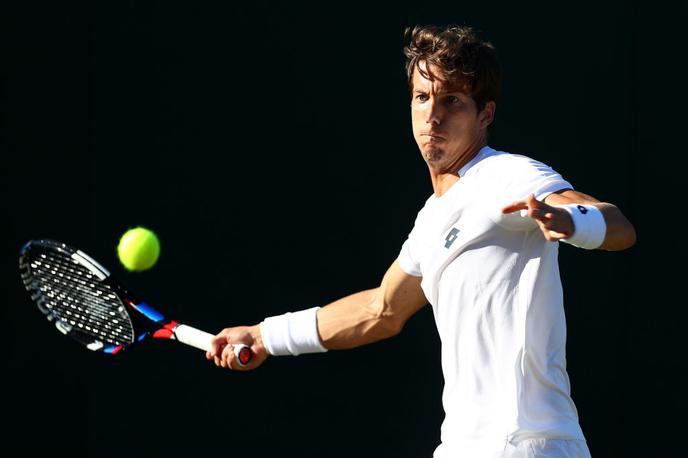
(203, 341)
(193, 337)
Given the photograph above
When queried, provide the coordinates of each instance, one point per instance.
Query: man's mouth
(433, 138)
(432, 135)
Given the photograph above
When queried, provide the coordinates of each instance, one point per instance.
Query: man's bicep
(371, 315)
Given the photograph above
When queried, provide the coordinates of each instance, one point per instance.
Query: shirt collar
(484, 152)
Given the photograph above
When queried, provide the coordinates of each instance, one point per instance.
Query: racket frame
(146, 321)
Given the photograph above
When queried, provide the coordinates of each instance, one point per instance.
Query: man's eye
(421, 97)
(453, 100)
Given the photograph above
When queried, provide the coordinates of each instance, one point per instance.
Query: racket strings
(70, 292)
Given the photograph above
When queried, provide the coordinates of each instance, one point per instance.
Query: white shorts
(547, 448)
(527, 448)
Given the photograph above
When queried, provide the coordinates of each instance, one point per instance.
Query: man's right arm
(372, 315)
(359, 319)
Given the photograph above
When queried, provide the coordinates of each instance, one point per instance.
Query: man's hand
(555, 223)
(222, 349)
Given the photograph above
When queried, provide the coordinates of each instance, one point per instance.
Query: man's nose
(434, 113)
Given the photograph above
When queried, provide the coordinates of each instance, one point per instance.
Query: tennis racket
(84, 302)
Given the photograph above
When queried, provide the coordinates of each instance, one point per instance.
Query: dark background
(269, 145)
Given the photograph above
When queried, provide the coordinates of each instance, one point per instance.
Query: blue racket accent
(142, 336)
(24, 247)
(150, 312)
(112, 349)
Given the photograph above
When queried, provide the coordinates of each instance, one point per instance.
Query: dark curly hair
(459, 56)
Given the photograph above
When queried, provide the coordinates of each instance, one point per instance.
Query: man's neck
(442, 180)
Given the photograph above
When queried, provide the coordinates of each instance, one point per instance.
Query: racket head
(80, 297)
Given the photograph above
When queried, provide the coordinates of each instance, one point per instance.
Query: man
(482, 252)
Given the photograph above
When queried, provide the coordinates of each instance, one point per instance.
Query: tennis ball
(138, 249)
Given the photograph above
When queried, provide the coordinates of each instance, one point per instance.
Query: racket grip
(203, 341)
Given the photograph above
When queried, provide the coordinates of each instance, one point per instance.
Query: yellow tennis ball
(138, 249)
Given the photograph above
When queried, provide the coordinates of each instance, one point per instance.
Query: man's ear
(486, 115)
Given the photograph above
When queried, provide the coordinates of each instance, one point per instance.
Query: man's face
(446, 123)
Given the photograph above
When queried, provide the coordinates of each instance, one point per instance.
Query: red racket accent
(167, 331)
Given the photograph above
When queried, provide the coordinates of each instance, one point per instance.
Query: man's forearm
(355, 320)
(620, 233)
(359, 319)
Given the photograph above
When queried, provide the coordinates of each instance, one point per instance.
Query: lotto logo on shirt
(453, 234)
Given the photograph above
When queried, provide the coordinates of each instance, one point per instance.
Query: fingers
(222, 347)
(554, 226)
(226, 358)
(515, 206)
(554, 223)
(537, 210)
(217, 344)
(229, 359)
(553, 235)
(528, 203)
(540, 215)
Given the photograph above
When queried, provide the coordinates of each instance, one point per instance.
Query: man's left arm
(557, 223)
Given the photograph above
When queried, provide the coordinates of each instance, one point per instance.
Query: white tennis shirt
(493, 283)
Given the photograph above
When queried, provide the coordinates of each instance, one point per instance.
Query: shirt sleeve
(406, 259)
(409, 255)
(534, 177)
(525, 176)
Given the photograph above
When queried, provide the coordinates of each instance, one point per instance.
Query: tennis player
(483, 253)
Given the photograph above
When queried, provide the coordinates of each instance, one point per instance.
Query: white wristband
(589, 226)
(292, 333)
